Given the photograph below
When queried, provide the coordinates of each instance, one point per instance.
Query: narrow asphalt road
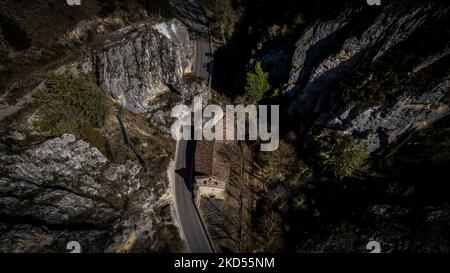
(190, 222)
(189, 219)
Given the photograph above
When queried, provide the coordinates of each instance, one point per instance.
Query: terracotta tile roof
(203, 155)
(211, 159)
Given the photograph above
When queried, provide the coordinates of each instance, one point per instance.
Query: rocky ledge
(65, 190)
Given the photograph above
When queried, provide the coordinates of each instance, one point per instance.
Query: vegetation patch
(341, 156)
(73, 105)
(374, 85)
(191, 78)
(223, 16)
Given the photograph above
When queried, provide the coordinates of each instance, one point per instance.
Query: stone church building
(212, 169)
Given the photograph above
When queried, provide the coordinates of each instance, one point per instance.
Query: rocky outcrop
(159, 113)
(143, 62)
(359, 40)
(65, 190)
(147, 69)
(310, 47)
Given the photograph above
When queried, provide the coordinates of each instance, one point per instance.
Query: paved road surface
(189, 219)
(198, 25)
(191, 224)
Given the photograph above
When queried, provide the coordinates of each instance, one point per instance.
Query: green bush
(299, 202)
(92, 136)
(257, 83)
(305, 173)
(299, 20)
(279, 163)
(65, 126)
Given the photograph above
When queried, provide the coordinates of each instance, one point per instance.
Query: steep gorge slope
(389, 72)
(68, 171)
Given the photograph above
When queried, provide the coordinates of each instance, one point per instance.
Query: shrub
(299, 20)
(305, 173)
(299, 202)
(93, 136)
(223, 16)
(73, 105)
(257, 83)
(342, 156)
(279, 164)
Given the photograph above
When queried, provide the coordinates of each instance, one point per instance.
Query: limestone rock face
(143, 62)
(64, 190)
(330, 51)
(308, 47)
(381, 125)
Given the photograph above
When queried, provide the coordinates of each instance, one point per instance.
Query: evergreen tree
(257, 83)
